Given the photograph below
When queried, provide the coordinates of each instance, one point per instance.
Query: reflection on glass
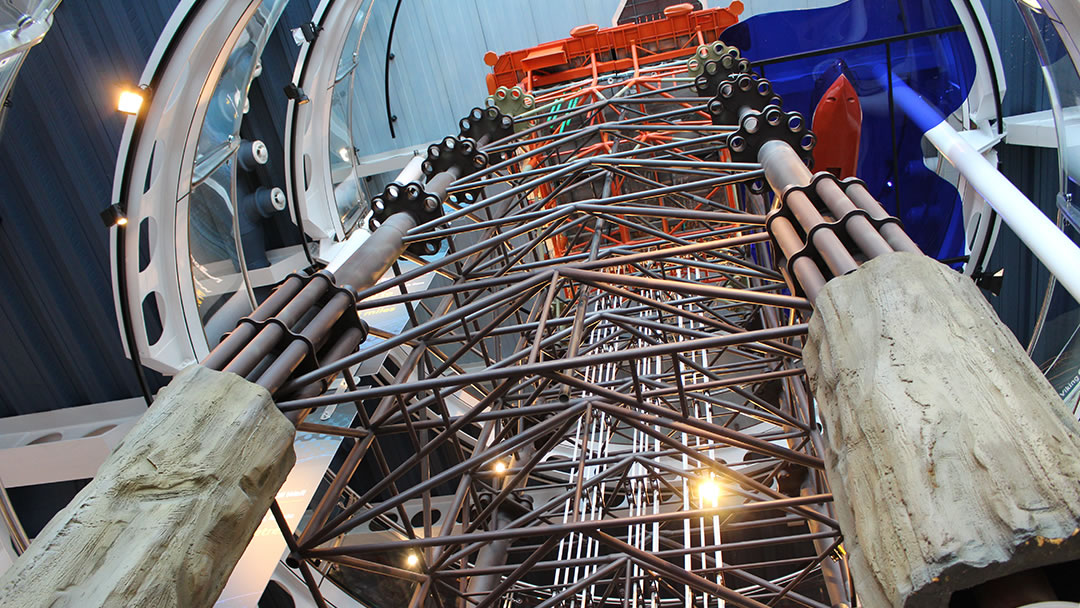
(347, 61)
(9, 67)
(215, 263)
(15, 14)
(347, 194)
(939, 67)
(22, 24)
(1055, 345)
(221, 290)
(220, 129)
(1057, 351)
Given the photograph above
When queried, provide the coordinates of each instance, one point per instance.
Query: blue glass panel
(939, 67)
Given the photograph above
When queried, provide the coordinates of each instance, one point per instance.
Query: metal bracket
(837, 226)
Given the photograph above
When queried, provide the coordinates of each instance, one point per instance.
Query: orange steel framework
(591, 50)
(593, 90)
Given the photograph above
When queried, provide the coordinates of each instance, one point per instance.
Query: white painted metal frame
(307, 139)
(198, 40)
(1055, 250)
(180, 98)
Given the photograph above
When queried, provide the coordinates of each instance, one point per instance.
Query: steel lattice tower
(607, 375)
(612, 284)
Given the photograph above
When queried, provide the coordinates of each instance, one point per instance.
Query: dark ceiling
(60, 342)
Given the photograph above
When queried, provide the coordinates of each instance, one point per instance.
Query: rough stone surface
(171, 510)
(951, 458)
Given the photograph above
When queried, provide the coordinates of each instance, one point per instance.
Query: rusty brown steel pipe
(894, 234)
(257, 349)
(236, 339)
(784, 169)
(869, 240)
(806, 271)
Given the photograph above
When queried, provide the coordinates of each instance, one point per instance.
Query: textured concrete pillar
(171, 510)
(951, 458)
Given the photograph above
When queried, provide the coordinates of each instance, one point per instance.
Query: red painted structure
(838, 126)
(591, 50)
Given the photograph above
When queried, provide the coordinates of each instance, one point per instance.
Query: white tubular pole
(1053, 248)
(1059, 254)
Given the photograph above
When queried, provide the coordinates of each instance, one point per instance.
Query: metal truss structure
(600, 400)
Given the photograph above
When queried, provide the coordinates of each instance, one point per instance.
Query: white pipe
(1055, 250)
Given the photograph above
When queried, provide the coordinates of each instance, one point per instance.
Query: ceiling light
(412, 560)
(500, 467)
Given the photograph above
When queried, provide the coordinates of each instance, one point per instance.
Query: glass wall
(219, 214)
(1055, 345)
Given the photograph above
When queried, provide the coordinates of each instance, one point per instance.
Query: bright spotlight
(500, 467)
(709, 491)
(113, 215)
(130, 101)
(412, 560)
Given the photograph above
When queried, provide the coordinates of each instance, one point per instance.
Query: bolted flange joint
(512, 102)
(714, 63)
(410, 198)
(757, 128)
(739, 93)
(459, 152)
(486, 125)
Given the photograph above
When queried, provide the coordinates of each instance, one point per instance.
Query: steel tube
(828, 244)
(859, 228)
(260, 346)
(239, 337)
(894, 234)
(784, 169)
(806, 271)
(738, 295)
(317, 330)
(377, 254)
(542, 367)
(575, 526)
(491, 555)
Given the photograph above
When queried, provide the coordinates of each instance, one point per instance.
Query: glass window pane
(215, 264)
